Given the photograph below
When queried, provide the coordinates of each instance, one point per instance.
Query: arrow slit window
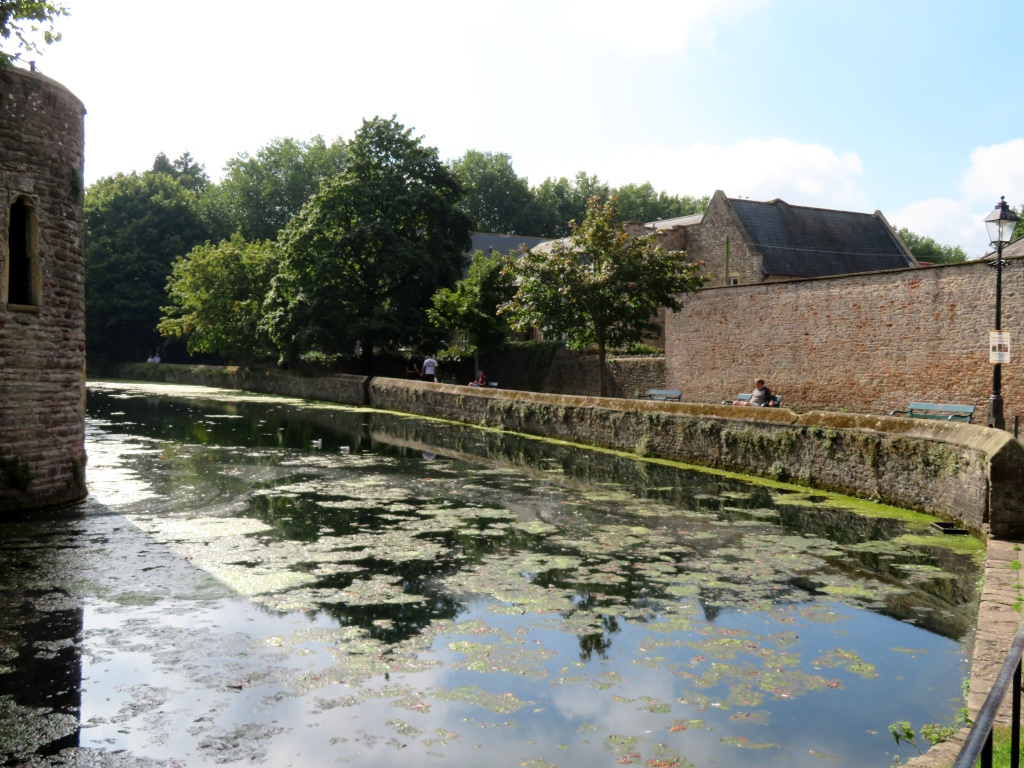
(23, 281)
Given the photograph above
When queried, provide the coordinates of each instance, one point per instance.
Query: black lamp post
(1000, 224)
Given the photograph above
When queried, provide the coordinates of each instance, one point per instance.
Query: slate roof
(679, 221)
(816, 242)
(1010, 250)
(487, 242)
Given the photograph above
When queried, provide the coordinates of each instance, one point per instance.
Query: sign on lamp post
(999, 347)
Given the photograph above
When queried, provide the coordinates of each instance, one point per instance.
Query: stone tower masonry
(42, 293)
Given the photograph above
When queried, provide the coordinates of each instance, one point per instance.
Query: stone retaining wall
(961, 471)
(338, 388)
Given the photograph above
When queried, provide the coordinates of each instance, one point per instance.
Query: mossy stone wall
(337, 388)
(962, 471)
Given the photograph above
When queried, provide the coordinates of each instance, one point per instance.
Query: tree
(217, 294)
(927, 249)
(259, 195)
(557, 202)
(27, 21)
(601, 287)
(190, 174)
(362, 259)
(135, 227)
(492, 192)
(641, 202)
(471, 307)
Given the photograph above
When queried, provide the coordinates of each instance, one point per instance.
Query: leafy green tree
(641, 202)
(362, 259)
(471, 307)
(217, 294)
(190, 174)
(28, 21)
(602, 287)
(260, 194)
(927, 249)
(135, 227)
(557, 202)
(492, 192)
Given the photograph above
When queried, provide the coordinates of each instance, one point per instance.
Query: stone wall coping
(915, 270)
(730, 412)
(976, 436)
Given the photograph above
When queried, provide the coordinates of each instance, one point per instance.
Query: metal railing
(979, 741)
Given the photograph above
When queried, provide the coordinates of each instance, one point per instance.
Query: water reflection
(253, 579)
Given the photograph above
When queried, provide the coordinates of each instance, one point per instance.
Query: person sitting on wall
(150, 359)
(761, 396)
(480, 381)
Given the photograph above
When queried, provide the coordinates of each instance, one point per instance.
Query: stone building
(747, 241)
(42, 293)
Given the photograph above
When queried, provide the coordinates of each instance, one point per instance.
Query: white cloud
(951, 222)
(996, 170)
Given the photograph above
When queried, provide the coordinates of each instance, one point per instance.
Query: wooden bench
(662, 394)
(941, 411)
(774, 402)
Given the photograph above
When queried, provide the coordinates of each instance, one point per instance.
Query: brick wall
(42, 347)
(865, 343)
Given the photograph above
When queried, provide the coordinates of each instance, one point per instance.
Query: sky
(904, 106)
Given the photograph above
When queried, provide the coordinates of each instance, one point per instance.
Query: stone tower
(42, 293)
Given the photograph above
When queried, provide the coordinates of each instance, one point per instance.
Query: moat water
(261, 580)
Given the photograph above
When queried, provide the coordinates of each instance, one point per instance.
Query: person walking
(412, 371)
(429, 368)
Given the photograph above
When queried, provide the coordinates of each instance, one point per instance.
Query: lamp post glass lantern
(1000, 225)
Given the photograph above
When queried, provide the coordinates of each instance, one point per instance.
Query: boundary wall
(867, 343)
(572, 373)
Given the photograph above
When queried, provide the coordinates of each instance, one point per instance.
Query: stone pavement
(997, 624)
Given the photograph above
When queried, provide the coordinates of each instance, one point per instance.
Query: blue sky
(907, 107)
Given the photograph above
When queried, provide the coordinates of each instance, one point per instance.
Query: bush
(643, 349)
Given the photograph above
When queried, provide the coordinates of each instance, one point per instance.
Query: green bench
(774, 402)
(662, 394)
(941, 411)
